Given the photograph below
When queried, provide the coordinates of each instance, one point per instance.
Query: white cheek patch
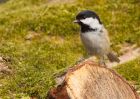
(87, 21)
(92, 22)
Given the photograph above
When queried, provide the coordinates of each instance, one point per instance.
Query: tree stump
(87, 80)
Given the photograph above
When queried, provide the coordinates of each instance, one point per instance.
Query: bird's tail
(112, 57)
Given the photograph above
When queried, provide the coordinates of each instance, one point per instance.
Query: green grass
(58, 46)
(129, 72)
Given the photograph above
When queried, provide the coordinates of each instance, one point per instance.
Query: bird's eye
(84, 17)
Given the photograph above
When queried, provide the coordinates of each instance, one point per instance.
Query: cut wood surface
(87, 80)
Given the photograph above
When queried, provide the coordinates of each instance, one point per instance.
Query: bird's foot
(80, 60)
(102, 63)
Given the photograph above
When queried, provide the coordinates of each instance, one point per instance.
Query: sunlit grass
(58, 46)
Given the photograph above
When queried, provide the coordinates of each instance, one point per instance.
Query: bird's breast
(94, 42)
(91, 39)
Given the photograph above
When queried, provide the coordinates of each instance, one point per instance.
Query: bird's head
(88, 20)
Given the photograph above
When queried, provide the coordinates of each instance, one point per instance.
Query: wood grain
(87, 80)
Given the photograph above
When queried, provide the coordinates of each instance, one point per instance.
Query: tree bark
(87, 80)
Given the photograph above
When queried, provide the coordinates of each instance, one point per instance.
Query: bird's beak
(76, 21)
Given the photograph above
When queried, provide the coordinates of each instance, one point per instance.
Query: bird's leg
(102, 61)
(80, 60)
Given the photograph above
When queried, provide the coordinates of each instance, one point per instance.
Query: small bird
(95, 37)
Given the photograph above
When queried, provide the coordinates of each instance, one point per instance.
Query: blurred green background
(40, 39)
